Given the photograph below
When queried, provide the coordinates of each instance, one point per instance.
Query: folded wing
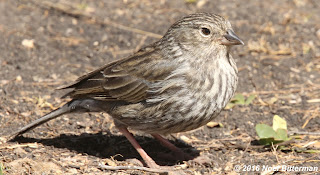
(125, 80)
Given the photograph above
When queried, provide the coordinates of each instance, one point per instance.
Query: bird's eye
(205, 31)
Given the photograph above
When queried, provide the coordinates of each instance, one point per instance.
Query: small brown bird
(177, 84)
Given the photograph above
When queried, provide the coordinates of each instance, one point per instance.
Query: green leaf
(239, 99)
(275, 134)
(268, 141)
(265, 131)
(230, 105)
(279, 123)
(281, 135)
(250, 99)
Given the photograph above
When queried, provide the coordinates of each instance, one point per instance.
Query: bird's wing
(122, 80)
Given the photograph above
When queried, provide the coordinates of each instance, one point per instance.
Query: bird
(177, 84)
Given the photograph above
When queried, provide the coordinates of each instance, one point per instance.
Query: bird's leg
(147, 159)
(179, 153)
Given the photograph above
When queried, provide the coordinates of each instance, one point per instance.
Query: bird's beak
(231, 39)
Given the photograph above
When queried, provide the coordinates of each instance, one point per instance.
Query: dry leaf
(212, 124)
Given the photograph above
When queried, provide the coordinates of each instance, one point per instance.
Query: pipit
(176, 84)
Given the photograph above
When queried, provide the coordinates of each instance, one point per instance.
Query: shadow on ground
(106, 146)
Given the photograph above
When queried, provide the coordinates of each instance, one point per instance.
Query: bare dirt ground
(46, 44)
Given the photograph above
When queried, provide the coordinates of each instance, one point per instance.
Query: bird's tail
(79, 105)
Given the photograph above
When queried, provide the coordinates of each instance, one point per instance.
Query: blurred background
(45, 44)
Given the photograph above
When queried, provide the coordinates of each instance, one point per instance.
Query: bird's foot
(152, 164)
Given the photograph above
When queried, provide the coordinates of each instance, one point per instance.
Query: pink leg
(147, 159)
(172, 147)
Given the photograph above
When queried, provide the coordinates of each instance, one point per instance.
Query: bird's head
(203, 33)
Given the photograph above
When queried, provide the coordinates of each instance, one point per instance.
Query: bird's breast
(190, 100)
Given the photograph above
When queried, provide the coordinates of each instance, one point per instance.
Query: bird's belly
(171, 119)
(172, 115)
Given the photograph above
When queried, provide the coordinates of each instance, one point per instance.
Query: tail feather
(78, 105)
(52, 115)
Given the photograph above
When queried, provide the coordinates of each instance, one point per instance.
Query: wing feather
(125, 80)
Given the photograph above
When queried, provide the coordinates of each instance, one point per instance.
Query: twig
(72, 10)
(274, 150)
(142, 41)
(153, 170)
(134, 30)
(246, 147)
(309, 118)
(304, 133)
(245, 150)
